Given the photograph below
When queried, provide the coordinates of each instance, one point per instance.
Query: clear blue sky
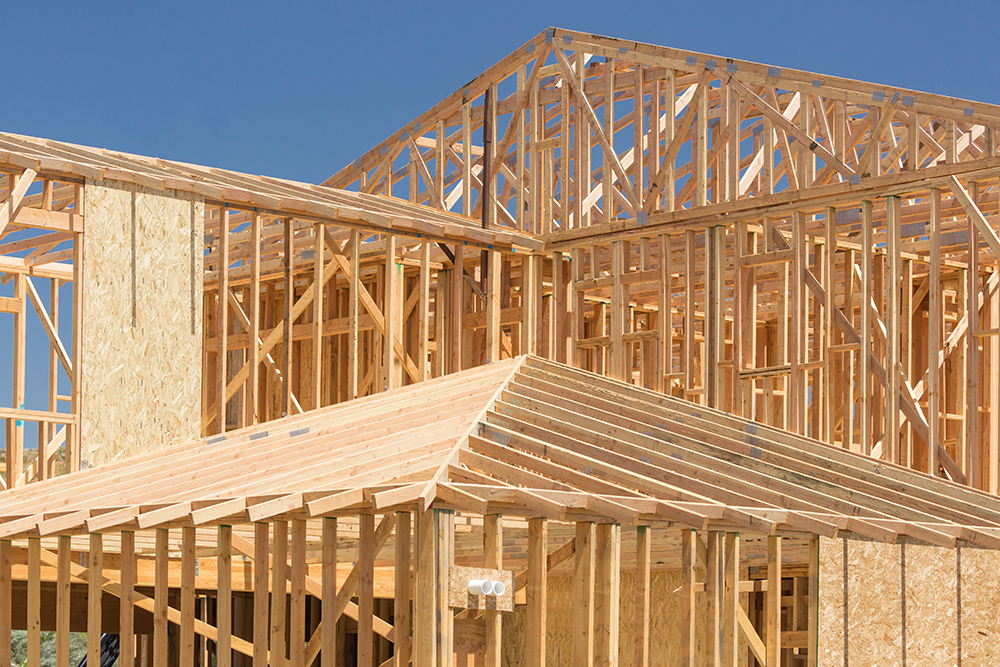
(299, 89)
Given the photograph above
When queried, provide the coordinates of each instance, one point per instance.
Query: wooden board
(142, 369)
(910, 604)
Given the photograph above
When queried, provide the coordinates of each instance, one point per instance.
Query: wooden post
(642, 593)
(366, 588)
(401, 618)
(731, 602)
(890, 450)
(63, 599)
(289, 299)
(972, 356)
(15, 428)
(445, 551)
(865, 370)
(715, 592)
(609, 123)
(432, 616)
(687, 361)
(529, 304)
(423, 311)
(535, 625)
(317, 323)
(616, 349)
(222, 322)
(279, 589)
(773, 624)
(812, 658)
(665, 318)
(457, 308)
(76, 382)
(95, 576)
(186, 643)
(583, 607)
(297, 606)
(494, 289)
(390, 362)
(161, 592)
(253, 314)
(796, 402)
(607, 591)
(224, 597)
(934, 330)
(6, 602)
(34, 620)
(261, 551)
(689, 646)
(493, 559)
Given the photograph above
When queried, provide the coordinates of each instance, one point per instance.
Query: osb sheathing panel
(664, 621)
(907, 604)
(980, 619)
(142, 319)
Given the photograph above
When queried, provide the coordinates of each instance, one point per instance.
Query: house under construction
(697, 358)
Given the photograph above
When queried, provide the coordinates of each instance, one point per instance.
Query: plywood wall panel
(980, 621)
(943, 604)
(142, 319)
(665, 626)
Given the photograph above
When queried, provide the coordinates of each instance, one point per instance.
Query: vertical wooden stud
(161, 591)
(279, 590)
(731, 602)
(642, 595)
(493, 559)
(224, 597)
(583, 607)
(401, 618)
(535, 626)
(607, 545)
(689, 647)
(261, 552)
(773, 624)
(297, 600)
(95, 576)
(186, 644)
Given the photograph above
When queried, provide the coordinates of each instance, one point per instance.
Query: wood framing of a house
(739, 261)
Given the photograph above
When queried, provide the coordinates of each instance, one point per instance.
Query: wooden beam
(583, 608)
(731, 602)
(688, 619)
(366, 584)
(607, 566)
(63, 599)
(12, 206)
(493, 560)
(34, 603)
(186, 641)
(328, 631)
(6, 601)
(160, 594)
(224, 597)
(773, 606)
(95, 563)
(279, 588)
(402, 648)
(536, 625)
(297, 599)
(261, 631)
(642, 595)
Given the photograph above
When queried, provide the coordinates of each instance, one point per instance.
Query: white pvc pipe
(499, 588)
(481, 587)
